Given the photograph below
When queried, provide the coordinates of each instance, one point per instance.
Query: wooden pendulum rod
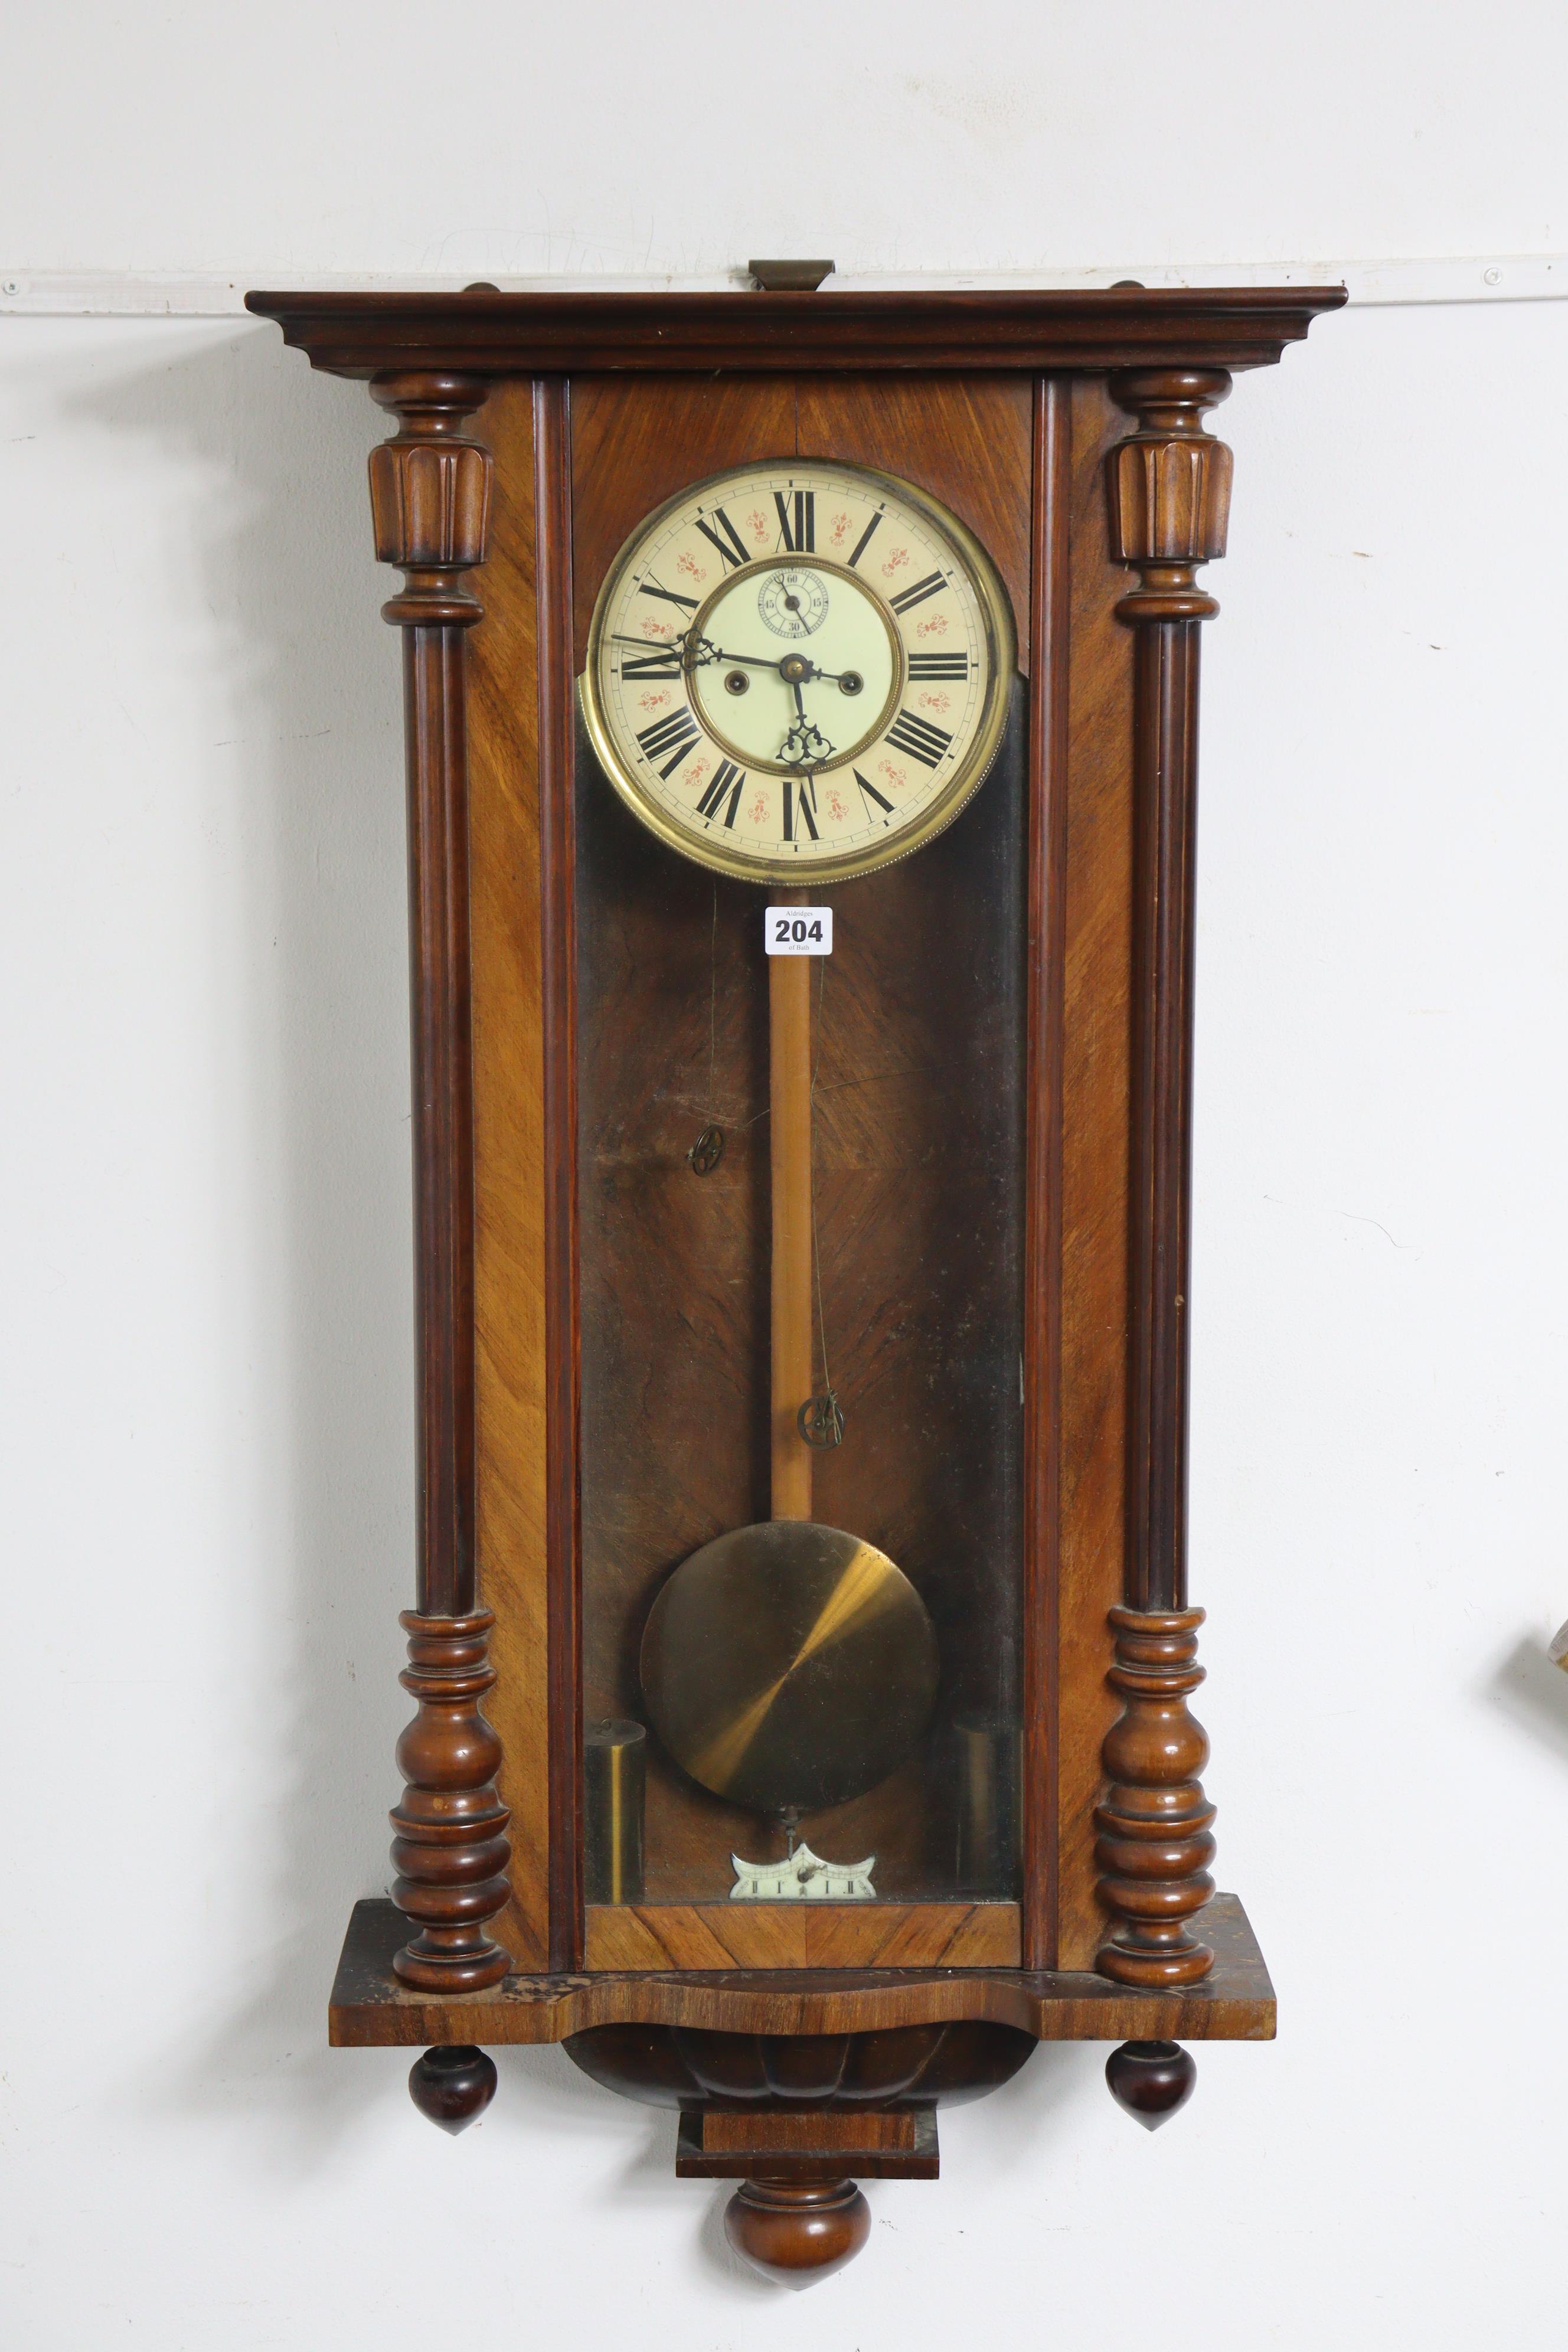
(789, 1123)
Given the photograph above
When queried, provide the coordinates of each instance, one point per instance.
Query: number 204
(799, 930)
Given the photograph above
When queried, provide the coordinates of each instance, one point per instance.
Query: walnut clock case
(801, 693)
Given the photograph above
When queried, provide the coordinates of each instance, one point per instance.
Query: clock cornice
(490, 333)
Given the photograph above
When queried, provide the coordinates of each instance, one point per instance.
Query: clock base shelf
(372, 2008)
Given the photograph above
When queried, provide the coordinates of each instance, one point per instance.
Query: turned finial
(1151, 2080)
(797, 2231)
(453, 2084)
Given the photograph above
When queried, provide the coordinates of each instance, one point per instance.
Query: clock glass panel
(801, 1624)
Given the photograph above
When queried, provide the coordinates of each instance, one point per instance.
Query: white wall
(208, 1414)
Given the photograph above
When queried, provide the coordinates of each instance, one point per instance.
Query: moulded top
(488, 333)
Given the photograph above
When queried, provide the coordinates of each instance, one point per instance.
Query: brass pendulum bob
(789, 1667)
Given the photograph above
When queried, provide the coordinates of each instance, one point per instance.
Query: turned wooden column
(1155, 1843)
(430, 490)
(1169, 498)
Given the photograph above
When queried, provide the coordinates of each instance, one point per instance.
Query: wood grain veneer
(1234, 2003)
(887, 2143)
(966, 443)
(1050, 616)
(1095, 1081)
(805, 1936)
(509, 1269)
(558, 992)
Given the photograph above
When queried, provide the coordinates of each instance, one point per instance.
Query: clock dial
(799, 669)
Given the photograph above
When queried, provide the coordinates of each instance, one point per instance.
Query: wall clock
(801, 694)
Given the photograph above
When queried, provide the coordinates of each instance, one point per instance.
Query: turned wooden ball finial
(797, 2231)
(1151, 2080)
(453, 2084)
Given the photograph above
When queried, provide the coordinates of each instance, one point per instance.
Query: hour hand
(806, 746)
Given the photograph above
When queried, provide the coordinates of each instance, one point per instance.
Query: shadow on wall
(1531, 1690)
(308, 975)
(308, 970)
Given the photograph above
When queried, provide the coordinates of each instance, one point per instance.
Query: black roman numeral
(801, 538)
(730, 779)
(871, 794)
(663, 663)
(919, 738)
(864, 542)
(674, 735)
(939, 665)
(735, 554)
(918, 592)
(652, 588)
(804, 806)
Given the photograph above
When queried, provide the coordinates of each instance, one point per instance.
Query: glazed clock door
(801, 1227)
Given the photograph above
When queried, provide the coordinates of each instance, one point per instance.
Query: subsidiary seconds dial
(798, 669)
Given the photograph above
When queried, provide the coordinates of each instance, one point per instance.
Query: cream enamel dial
(798, 670)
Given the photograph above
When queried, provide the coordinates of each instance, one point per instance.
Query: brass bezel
(971, 773)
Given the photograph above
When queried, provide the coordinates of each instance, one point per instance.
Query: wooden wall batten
(430, 492)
